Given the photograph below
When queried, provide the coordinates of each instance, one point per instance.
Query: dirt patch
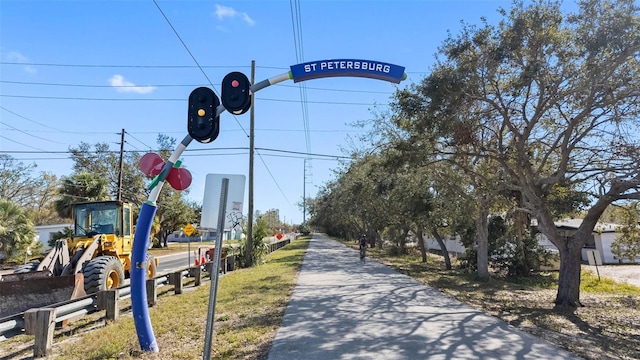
(606, 327)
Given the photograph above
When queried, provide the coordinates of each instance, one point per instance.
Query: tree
(80, 187)
(350, 205)
(260, 232)
(550, 100)
(452, 205)
(98, 159)
(173, 211)
(627, 245)
(16, 181)
(17, 235)
(35, 193)
(65, 233)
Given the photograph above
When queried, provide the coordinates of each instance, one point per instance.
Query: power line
(273, 178)
(303, 101)
(26, 118)
(138, 140)
(182, 132)
(93, 85)
(296, 22)
(336, 158)
(137, 66)
(194, 59)
(31, 135)
(426, 72)
(130, 144)
(179, 85)
(19, 143)
(40, 151)
(303, 153)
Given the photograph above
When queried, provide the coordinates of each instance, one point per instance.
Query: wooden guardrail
(41, 322)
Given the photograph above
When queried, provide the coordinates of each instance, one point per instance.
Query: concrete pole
(249, 243)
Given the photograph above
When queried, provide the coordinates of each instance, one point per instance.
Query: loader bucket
(21, 292)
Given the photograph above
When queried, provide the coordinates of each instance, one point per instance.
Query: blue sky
(88, 69)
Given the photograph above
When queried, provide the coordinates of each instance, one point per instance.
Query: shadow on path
(342, 309)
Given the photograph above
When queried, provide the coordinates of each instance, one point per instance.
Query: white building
(45, 232)
(452, 243)
(599, 244)
(207, 235)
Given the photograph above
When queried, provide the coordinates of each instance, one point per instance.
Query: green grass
(433, 273)
(590, 283)
(249, 310)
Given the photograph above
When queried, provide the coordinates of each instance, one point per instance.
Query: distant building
(452, 243)
(207, 235)
(598, 244)
(45, 232)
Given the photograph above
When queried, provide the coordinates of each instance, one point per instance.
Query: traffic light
(202, 123)
(236, 96)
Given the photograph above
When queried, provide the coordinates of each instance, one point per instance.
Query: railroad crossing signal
(236, 93)
(203, 123)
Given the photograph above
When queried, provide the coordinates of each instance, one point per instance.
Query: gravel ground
(629, 274)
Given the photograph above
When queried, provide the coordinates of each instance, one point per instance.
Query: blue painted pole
(139, 255)
(139, 305)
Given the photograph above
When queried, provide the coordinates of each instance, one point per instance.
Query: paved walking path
(341, 309)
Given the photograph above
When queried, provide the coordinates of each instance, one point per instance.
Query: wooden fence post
(30, 321)
(108, 301)
(197, 274)
(177, 282)
(44, 326)
(152, 292)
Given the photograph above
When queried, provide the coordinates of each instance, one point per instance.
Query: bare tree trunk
(482, 239)
(423, 248)
(403, 241)
(443, 247)
(520, 225)
(569, 278)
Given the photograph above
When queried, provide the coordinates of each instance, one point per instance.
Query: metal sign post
(215, 271)
(181, 178)
(188, 230)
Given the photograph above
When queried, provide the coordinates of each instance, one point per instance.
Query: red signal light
(236, 93)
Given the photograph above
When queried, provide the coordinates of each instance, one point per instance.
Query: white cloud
(14, 56)
(247, 19)
(122, 85)
(223, 12)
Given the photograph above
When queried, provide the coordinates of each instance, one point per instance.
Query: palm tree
(17, 234)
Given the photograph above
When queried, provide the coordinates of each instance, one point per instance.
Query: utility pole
(120, 167)
(249, 244)
(304, 192)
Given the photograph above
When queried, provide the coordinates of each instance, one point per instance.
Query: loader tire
(26, 268)
(103, 273)
(151, 267)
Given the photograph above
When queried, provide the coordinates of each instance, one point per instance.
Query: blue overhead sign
(347, 67)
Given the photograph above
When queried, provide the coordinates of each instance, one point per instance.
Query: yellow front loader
(97, 257)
